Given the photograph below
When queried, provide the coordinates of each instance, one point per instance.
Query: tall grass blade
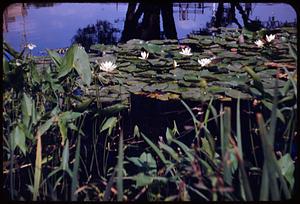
(239, 141)
(75, 170)
(273, 115)
(196, 122)
(264, 188)
(290, 77)
(120, 168)
(225, 145)
(222, 130)
(273, 167)
(38, 167)
(76, 163)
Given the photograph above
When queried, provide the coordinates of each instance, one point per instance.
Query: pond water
(58, 25)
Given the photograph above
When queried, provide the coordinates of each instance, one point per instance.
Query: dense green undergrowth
(55, 149)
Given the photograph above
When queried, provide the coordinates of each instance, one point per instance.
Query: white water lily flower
(30, 46)
(259, 43)
(186, 51)
(270, 37)
(175, 64)
(107, 66)
(144, 55)
(205, 61)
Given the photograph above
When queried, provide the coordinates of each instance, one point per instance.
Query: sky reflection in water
(55, 26)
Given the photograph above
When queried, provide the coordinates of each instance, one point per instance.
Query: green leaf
(109, 124)
(82, 66)
(186, 150)
(19, 139)
(169, 150)
(169, 135)
(43, 128)
(287, 167)
(206, 147)
(55, 57)
(152, 48)
(278, 112)
(155, 148)
(63, 130)
(236, 94)
(142, 179)
(38, 168)
(69, 115)
(120, 168)
(78, 59)
(136, 132)
(83, 106)
(26, 105)
(65, 157)
(292, 51)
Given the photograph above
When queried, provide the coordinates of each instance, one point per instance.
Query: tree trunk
(168, 21)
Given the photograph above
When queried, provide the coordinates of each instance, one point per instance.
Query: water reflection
(226, 17)
(101, 32)
(143, 21)
(55, 25)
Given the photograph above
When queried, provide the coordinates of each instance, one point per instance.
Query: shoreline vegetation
(211, 118)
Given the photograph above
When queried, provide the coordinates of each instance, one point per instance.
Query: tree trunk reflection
(149, 28)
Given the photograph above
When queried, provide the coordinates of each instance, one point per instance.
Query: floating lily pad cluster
(239, 68)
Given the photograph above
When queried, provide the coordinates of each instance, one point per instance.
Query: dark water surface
(57, 25)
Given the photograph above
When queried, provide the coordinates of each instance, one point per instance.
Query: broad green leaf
(287, 168)
(236, 94)
(78, 59)
(19, 139)
(34, 73)
(135, 160)
(67, 62)
(26, 105)
(55, 57)
(109, 124)
(152, 48)
(142, 179)
(83, 106)
(43, 128)
(82, 66)
(68, 115)
(145, 162)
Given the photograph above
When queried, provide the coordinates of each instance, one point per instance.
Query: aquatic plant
(107, 66)
(186, 51)
(204, 62)
(270, 37)
(175, 64)
(144, 55)
(86, 152)
(259, 43)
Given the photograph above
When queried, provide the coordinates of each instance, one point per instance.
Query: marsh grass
(65, 159)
